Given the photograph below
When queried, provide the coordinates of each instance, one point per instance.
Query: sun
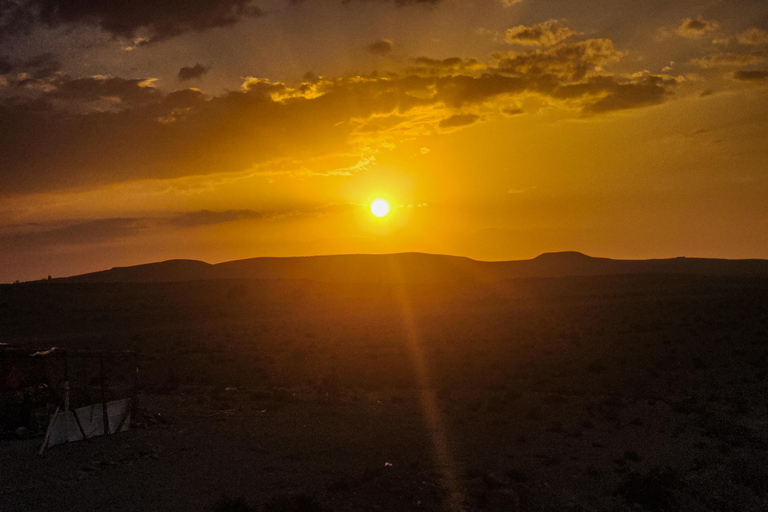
(380, 208)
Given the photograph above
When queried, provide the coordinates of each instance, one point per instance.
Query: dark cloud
(696, 28)
(208, 217)
(45, 147)
(151, 19)
(514, 111)
(40, 65)
(311, 77)
(186, 133)
(458, 120)
(15, 17)
(40, 78)
(97, 130)
(87, 231)
(33, 73)
(82, 232)
(382, 47)
(125, 91)
(106, 230)
(624, 95)
(751, 75)
(462, 90)
(192, 72)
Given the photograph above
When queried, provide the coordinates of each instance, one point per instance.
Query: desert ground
(604, 393)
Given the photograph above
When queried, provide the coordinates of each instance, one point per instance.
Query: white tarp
(63, 427)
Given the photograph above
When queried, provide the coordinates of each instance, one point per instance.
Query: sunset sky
(141, 131)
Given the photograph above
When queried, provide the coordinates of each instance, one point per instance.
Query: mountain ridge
(416, 267)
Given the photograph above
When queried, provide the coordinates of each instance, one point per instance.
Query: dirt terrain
(625, 392)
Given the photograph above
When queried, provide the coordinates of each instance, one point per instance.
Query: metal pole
(104, 396)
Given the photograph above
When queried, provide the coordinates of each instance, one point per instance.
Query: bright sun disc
(380, 208)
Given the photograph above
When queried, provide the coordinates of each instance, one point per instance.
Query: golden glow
(477, 163)
(380, 208)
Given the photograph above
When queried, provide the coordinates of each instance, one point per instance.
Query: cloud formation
(728, 60)
(382, 47)
(459, 120)
(89, 231)
(450, 65)
(122, 91)
(753, 36)
(191, 72)
(97, 130)
(80, 232)
(626, 94)
(571, 61)
(748, 76)
(695, 28)
(548, 33)
(38, 66)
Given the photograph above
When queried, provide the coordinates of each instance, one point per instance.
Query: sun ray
(446, 465)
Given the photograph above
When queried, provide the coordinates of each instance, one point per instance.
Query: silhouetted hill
(164, 271)
(417, 268)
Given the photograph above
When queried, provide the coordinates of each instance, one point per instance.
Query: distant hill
(416, 268)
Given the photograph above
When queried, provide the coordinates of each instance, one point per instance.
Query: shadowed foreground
(634, 392)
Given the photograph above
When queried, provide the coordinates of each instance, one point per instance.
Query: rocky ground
(612, 395)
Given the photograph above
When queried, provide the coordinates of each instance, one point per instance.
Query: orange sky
(497, 129)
